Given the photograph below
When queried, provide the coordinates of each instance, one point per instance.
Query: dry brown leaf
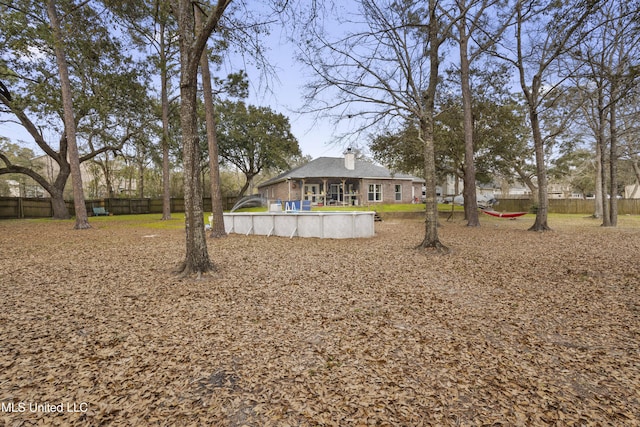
(512, 328)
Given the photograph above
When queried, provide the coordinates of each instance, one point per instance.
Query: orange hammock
(505, 214)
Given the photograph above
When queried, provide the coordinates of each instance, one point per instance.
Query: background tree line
(523, 88)
(476, 88)
(128, 127)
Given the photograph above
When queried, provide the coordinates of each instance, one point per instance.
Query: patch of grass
(176, 222)
(559, 221)
(152, 221)
(585, 220)
(446, 207)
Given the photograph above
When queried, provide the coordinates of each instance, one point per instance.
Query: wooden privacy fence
(24, 207)
(567, 206)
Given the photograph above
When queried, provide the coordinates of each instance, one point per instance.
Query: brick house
(343, 181)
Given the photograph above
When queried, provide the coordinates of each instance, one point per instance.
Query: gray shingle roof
(334, 167)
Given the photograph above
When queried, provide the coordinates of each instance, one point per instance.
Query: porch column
(344, 192)
(325, 190)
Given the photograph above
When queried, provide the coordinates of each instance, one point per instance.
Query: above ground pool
(323, 224)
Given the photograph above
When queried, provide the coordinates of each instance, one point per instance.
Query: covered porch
(333, 191)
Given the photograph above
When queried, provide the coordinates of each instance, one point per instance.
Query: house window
(334, 192)
(375, 192)
(398, 189)
(311, 192)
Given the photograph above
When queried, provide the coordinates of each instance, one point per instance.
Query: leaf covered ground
(511, 328)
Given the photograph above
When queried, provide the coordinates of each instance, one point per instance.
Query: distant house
(23, 187)
(343, 181)
(632, 191)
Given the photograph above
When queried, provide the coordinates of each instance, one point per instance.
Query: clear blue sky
(284, 93)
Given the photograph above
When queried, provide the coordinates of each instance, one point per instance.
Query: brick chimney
(349, 159)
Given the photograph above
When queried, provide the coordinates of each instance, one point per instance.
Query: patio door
(311, 192)
(335, 192)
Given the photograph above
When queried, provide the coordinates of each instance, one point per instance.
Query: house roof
(334, 167)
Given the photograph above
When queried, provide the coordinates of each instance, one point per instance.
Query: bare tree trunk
(613, 165)
(431, 239)
(59, 206)
(217, 228)
(540, 223)
(535, 194)
(470, 199)
(636, 171)
(56, 191)
(197, 256)
(192, 46)
(606, 219)
(601, 147)
(598, 196)
(82, 221)
(141, 180)
(531, 95)
(547, 54)
(528, 181)
(166, 185)
(245, 186)
(105, 167)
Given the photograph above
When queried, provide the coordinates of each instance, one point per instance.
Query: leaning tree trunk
(248, 178)
(82, 221)
(217, 228)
